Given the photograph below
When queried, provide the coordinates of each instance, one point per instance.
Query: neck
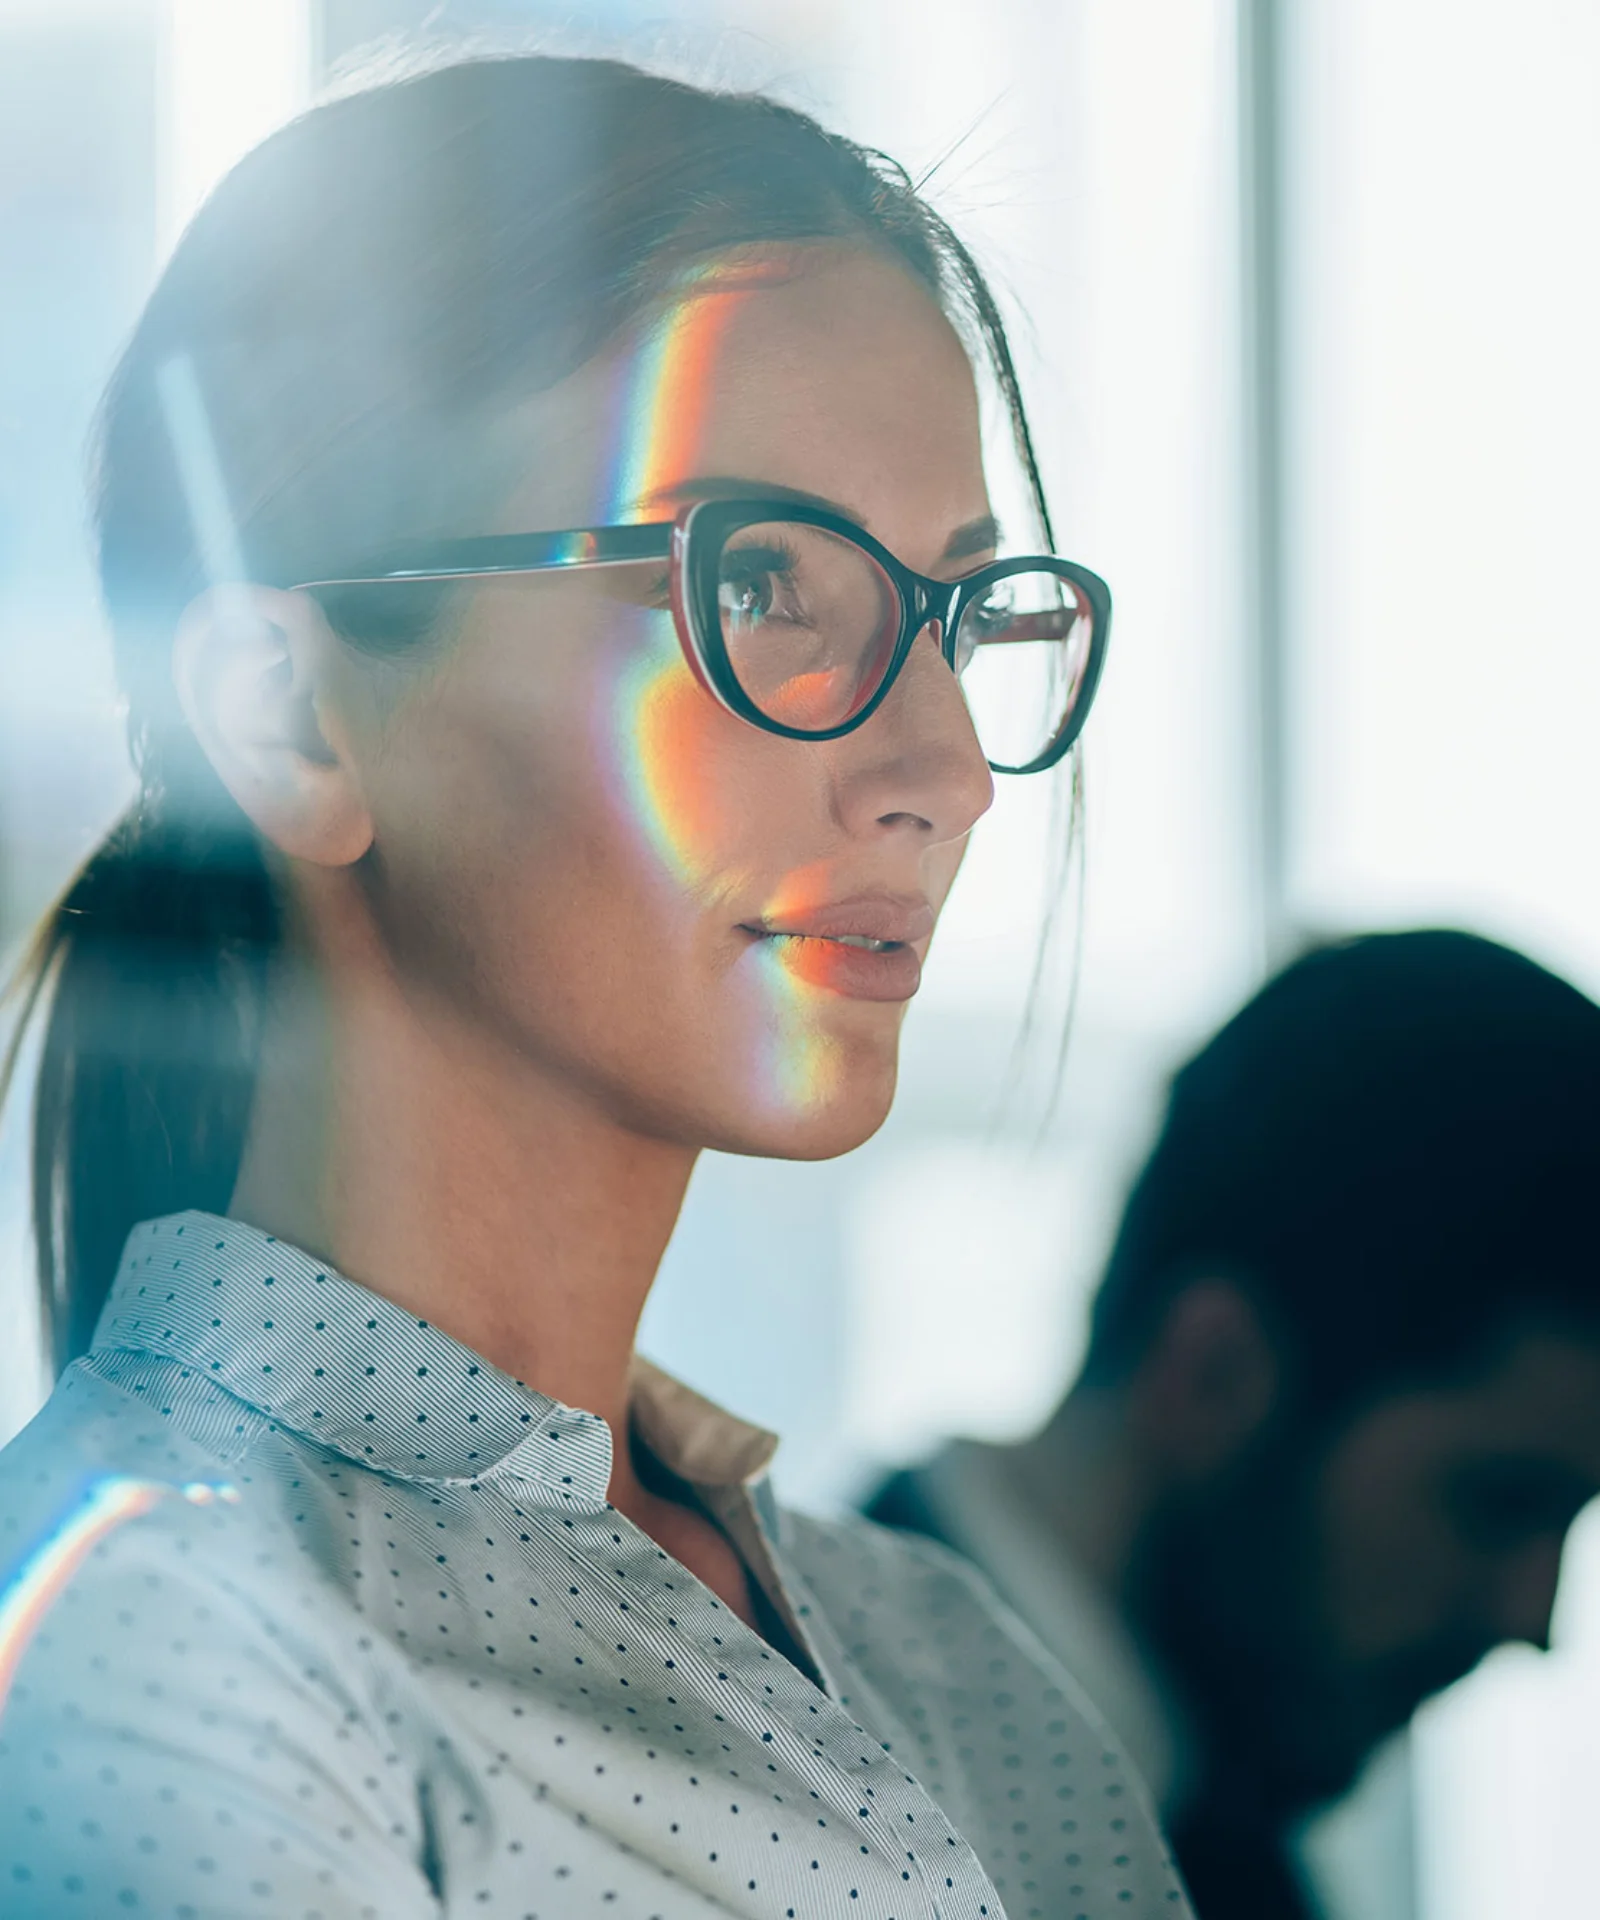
(427, 1158)
(1082, 1476)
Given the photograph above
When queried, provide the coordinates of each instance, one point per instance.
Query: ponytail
(153, 966)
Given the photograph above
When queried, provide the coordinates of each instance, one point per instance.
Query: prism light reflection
(47, 1572)
(662, 726)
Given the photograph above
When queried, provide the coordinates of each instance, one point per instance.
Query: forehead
(826, 369)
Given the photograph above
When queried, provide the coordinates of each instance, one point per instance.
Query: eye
(1501, 1503)
(757, 584)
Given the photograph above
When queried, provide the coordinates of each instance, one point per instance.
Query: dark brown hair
(1394, 1149)
(348, 313)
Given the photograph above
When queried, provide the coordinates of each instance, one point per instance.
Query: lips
(865, 948)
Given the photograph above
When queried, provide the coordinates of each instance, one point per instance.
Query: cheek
(583, 847)
(723, 811)
(1393, 1563)
(720, 809)
(666, 738)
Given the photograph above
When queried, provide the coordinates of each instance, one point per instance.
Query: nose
(916, 763)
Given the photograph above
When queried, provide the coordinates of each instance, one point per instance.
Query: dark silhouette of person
(1341, 1399)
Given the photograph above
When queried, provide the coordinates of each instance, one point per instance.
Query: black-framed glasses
(798, 621)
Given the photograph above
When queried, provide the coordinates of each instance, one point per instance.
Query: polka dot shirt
(310, 1613)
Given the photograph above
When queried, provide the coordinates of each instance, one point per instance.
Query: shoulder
(118, 1525)
(901, 1501)
(120, 1535)
(997, 1730)
(113, 1414)
(924, 1624)
(170, 1662)
(906, 1577)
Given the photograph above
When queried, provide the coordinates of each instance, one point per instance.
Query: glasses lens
(809, 621)
(1022, 649)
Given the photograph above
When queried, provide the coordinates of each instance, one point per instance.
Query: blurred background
(1308, 294)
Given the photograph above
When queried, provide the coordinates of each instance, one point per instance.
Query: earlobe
(252, 670)
(1211, 1380)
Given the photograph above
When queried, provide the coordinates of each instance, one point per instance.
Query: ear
(1208, 1382)
(253, 668)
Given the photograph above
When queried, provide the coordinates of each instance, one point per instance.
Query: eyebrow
(977, 536)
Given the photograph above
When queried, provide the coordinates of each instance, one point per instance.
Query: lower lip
(859, 973)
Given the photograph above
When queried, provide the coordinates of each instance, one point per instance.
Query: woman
(542, 518)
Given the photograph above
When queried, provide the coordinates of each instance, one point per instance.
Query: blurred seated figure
(1341, 1400)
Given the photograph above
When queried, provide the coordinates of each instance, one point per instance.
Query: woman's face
(579, 852)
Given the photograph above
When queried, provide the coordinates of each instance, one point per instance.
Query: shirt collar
(325, 1357)
(692, 1436)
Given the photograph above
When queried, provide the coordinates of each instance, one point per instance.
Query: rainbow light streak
(661, 399)
(662, 723)
(803, 1067)
(661, 715)
(46, 1573)
(573, 549)
(663, 741)
(658, 730)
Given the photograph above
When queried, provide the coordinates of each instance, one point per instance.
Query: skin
(1444, 1512)
(1309, 1589)
(510, 1016)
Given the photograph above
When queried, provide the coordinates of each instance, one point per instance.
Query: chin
(827, 1136)
(819, 1119)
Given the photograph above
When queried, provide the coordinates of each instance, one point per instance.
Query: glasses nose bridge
(928, 600)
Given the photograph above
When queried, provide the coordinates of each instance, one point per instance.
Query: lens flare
(47, 1572)
(205, 493)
